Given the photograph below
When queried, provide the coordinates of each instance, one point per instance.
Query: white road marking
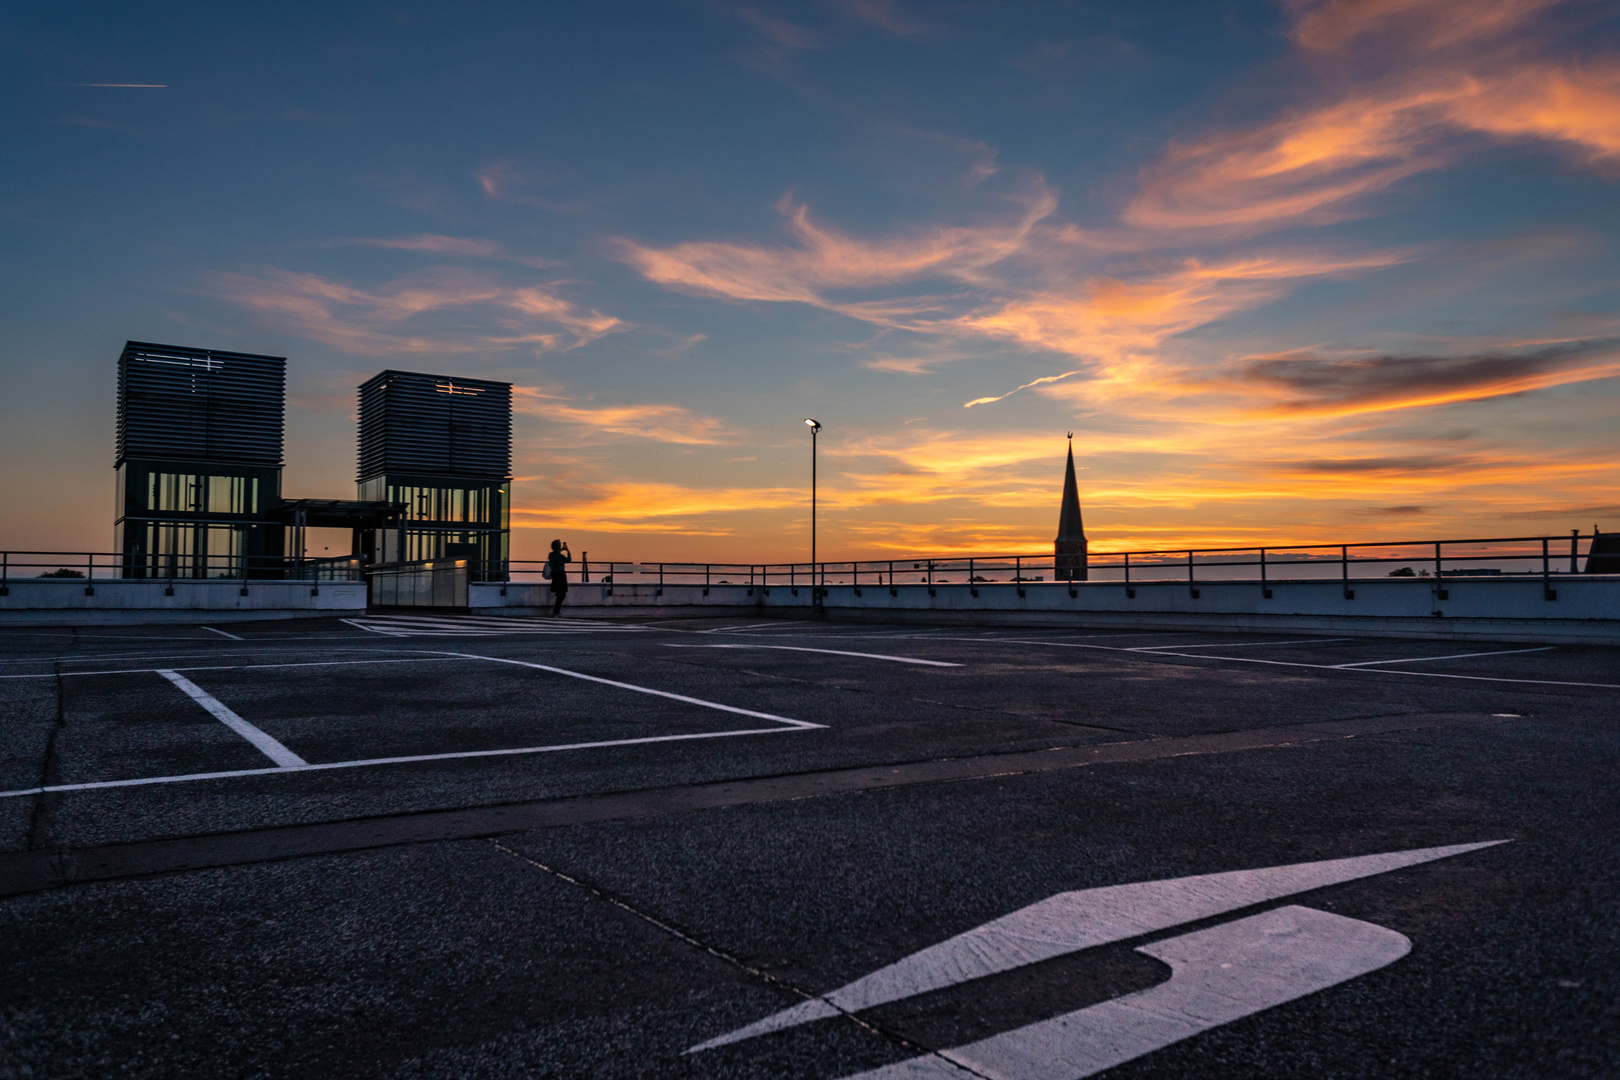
(1072, 921)
(1453, 656)
(484, 625)
(1298, 664)
(642, 690)
(271, 748)
(832, 652)
(235, 667)
(375, 630)
(221, 633)
(403, 760)
(1240, 644)
(737, 629)
(297, 764)
(1218, 975)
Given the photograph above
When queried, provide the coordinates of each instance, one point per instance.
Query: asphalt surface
(524, 848)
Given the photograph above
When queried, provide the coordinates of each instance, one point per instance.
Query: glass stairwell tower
(442, 446)
(199, 462)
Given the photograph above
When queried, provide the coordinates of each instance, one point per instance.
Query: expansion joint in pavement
(909, 1045)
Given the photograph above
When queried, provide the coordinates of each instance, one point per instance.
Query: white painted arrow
(1071, 921)
(1218, 975)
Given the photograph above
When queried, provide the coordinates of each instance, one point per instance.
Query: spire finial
(1071, 436)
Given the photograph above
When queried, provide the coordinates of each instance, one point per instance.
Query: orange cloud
(826, 259)
(395, 318)
(1303, 169)
(1110, 320)
(1429, 24)
(1575, 105)
(1442, 70)
(659, 422)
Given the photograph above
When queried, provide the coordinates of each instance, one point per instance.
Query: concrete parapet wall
(81, 602)
(1586, 610)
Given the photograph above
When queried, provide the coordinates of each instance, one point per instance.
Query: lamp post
(815, 429)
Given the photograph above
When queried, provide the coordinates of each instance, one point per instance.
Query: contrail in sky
(1026, 386)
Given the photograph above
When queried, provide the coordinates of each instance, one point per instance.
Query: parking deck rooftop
(438, 845)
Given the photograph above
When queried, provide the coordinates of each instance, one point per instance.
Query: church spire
(1070, 547)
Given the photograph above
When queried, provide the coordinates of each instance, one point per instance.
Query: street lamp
(815, 429)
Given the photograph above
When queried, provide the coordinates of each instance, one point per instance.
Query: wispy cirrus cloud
(1109, 319)
(444, 310)
(660, 422)
(469, 247)
(1414, 79)
(1326, 25)
(825, 259)
(435, 243)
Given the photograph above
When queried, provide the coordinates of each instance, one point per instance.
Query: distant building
(441, 446)
(198, 461)
(1070, 546)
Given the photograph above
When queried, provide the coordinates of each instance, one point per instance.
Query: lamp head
(813, 425)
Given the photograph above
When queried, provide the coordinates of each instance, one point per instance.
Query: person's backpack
(545, 571)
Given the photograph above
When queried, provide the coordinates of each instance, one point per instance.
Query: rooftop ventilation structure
(198, 458)
(442, 446)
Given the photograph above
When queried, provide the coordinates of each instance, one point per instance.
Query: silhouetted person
(558, 562)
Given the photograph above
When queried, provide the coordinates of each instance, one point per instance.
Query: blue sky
(1291, 270)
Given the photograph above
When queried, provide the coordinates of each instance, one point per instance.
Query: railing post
(1344, 564)
(584, 568)
(1439, 574)
(5, 573)
(90, 575)
(1574, 548)
(1130, 593)
(973, 586)
(1547, 591)
(1192, 585)
(892, 590)
(1265, 584)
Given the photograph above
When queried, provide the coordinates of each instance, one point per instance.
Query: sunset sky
(1290, 270)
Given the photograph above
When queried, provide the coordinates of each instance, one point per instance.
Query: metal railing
(86, 568)
(1547, 557)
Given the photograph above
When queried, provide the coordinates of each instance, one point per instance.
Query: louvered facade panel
(204, 405)
(435, 425)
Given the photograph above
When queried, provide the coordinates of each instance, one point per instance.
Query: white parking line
(484, 625)
(641, 689)
(1296, 663)
(234, 667)
(1241, 644)
(295, 764)
(1453, 656)
(832, 652)
(221, 633)
(372, 762)
(272, 749)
